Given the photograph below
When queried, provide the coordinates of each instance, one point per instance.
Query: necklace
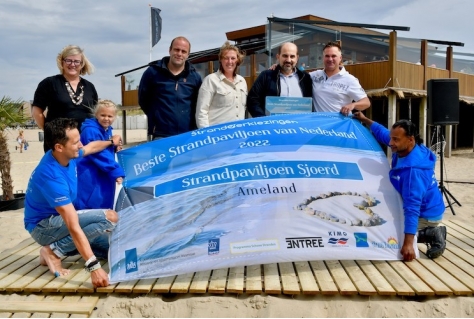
(372, 220)
(75, 99)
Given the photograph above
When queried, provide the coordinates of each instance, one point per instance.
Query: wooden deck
(451, 274)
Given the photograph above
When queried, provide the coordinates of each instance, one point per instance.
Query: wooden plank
(126, 287)
(448, 273)
(38, 314)
(163, 285)
(92, 299)
(144, 286)
(26, 314)
(4, 299)
(342, 280)
(17, 260)
(394, 279)
(464, 267)
(19, 273)
(323, 277)
(462, 234)
(271, 279)
(462, 224)
(182, 283)
(70, 298)
(235, 283)
(253, 279)
(418, 285)
(460, 248)
(200, 282)
(308, 283)
(289, 280)
(378, 281)
(81, 307)
(24, 243)
(218, 281)
(358, 278)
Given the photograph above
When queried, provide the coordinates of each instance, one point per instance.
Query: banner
(155, 26)
(281, 188)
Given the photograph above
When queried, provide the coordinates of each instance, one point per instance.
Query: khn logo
(213, 246)
(131, 261)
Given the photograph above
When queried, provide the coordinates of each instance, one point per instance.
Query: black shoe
(437, 241)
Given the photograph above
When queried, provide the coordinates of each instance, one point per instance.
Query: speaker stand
(442, 188)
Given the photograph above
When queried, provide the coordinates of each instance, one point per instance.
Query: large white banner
(275, 189)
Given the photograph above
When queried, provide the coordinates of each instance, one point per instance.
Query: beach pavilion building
(394, 70)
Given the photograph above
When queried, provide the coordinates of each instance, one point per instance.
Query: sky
(115, 34)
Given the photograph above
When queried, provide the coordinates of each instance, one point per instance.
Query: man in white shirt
(334, 89)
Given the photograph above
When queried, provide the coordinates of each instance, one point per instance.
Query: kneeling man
(50, 216)
(413, 176)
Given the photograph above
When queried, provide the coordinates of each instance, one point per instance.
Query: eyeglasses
(75, 62)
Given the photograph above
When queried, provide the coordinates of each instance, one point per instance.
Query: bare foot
(48, 258)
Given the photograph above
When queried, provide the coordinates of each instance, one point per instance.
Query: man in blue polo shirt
(50, 216)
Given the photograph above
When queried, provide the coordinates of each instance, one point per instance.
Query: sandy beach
(459, 179)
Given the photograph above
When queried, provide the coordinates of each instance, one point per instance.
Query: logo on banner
(131, 262)
(391, 243)
(213, 246)
(338, 241)
(338, 238)
(304, 242)
(361, 239)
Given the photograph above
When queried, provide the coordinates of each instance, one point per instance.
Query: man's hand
(407, 251)
(347, 109)
(99, 278)
(361, 117)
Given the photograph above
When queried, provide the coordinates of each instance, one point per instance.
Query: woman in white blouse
(223, 94)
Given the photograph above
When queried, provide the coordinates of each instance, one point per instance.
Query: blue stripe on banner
(261, 171)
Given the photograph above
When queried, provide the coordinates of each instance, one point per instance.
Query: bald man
(285, 80)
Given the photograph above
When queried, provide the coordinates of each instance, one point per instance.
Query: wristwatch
(112, 141)
(94, 266)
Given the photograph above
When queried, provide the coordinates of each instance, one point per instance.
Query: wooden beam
(392, 58)
(424, 61)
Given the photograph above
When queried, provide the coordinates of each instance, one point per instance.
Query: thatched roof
(404, 93)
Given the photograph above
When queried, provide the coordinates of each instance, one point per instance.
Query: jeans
(53, 231)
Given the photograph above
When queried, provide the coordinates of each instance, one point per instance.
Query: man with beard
(285, 80)
(168, 92)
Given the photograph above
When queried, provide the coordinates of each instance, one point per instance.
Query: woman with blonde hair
(98, 173)
(223, 94)
(20, 139)
(67, 94)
